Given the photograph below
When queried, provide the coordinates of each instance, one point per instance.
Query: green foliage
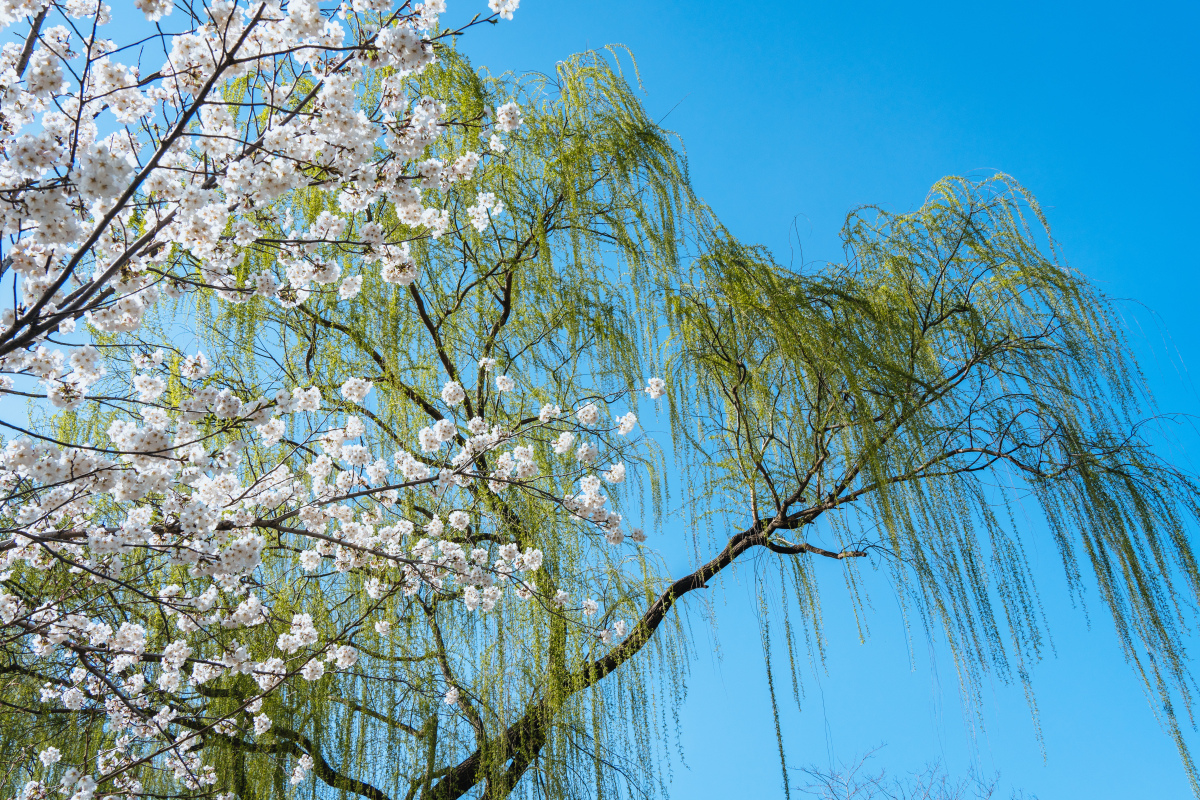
(900, 406)
(913, 400)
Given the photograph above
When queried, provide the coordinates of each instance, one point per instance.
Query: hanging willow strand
(892, 411)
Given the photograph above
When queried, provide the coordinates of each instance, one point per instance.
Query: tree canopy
(346, 491)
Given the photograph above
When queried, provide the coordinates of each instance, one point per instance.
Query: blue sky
(793, 114)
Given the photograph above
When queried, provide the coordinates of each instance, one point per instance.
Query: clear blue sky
(792, 114)
(795, 112)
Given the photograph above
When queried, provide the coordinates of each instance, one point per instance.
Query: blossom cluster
(124, 196)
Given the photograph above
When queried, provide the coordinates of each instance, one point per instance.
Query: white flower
(508, 116)
(626, 423)
(505, 383)
(303, 765)
(656, 388)
(154, 9)
(51, 755)
(345, 657)
(10, 605)
(355, 389)
(459, 520)
(445, 430)
(148, 387)
(398, 266)
(451, 696)
(383, 627)
(262, 724)
(615, 474)
(453, 394)
(486, 364)
(590, 607)
(350, 287)
(531, 561)
(302, 634)
(307, 399)
(272, 431)
(486, 207)
(313, 670)
(85, 788)
(471, 598)
(430, 443)
(70, 777)
(504, 8)
(226, 405)
(588, 414)
(195, 366)
(563, 444)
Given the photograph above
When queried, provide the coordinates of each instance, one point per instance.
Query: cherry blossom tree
(334, 349)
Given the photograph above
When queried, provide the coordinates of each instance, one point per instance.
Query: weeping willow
(890, 412)
(903, 406)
